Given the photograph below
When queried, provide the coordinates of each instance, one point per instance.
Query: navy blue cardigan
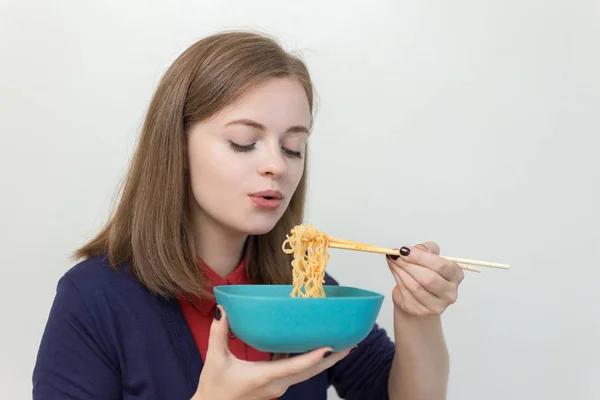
(107, 337)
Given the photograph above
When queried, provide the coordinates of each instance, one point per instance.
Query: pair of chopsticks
(464, 263)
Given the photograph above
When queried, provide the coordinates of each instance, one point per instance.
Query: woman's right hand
(225, 377)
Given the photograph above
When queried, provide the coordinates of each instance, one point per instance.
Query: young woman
(217, 180)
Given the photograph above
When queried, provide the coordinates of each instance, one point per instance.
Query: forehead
(277, 101)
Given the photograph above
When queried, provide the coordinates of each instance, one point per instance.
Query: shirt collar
(237, 277)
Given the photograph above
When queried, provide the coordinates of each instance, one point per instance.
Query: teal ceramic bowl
(268, 319)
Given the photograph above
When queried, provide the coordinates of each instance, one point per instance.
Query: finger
(218, 340)
(408, 299)
(457, 275)
(393, 268)
(284, 367)
(421, 295)
(430, 247)
(421, 255)
(299, 366)
(430, 280)
(435, 284)
(326, 363)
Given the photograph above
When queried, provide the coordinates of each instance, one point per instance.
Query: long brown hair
(151, 227)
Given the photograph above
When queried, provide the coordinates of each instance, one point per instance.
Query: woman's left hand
(426, 283)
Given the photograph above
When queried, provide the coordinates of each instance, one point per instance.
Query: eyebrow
(257, 125)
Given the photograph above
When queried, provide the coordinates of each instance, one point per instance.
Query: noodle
(309, 247)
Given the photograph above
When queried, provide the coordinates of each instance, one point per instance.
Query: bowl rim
(369, 294)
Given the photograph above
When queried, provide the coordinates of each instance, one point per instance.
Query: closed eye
(291, 153)
(238, 148)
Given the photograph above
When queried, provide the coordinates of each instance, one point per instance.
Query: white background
(472, 123)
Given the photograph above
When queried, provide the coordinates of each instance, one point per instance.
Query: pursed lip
(273, 194)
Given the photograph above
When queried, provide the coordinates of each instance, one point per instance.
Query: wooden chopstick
(468, 264)
(477, 262)
(380, 250)
(469, 267)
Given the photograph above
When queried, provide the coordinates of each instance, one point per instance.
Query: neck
(220, 248)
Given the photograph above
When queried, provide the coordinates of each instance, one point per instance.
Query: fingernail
(404, 251)
(327, 353)
(218, 313)
(391, 257)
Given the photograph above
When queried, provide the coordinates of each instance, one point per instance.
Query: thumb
(430, 247)
(218, 340)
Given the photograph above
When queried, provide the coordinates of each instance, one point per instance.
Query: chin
(262, 226)
(260, 230)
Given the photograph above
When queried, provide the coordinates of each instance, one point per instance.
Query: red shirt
(200, 313)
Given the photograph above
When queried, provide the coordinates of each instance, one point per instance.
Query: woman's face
(247, 160)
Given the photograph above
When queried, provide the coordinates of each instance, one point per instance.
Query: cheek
(295, 172)
(217, 176)
(204, 172)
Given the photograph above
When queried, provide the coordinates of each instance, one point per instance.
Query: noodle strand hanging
(309, 247)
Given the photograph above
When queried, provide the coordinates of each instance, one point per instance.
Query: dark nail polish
(391, 257)
(327, 354)
(405, 251)
(218, 314)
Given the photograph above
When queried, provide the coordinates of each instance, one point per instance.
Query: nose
(273, 164)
